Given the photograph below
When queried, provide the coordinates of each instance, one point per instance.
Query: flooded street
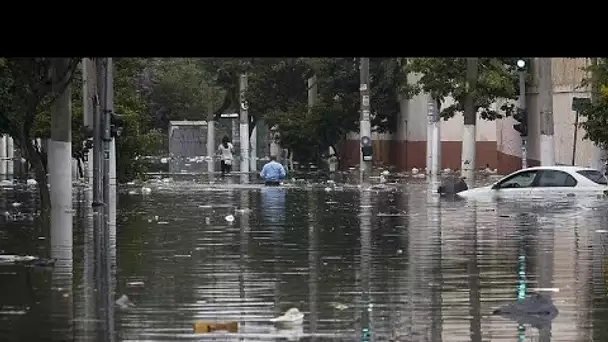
(392, 263)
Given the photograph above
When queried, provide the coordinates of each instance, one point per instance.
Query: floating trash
(293, 317)
(202, 327)
(229, 218)
(124, 302)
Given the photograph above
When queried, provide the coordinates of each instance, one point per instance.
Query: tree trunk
(35, 160)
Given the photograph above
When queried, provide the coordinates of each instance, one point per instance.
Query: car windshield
(594, 176)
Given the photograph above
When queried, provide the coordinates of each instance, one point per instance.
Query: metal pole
(575, 138)
(522, 105)
(97, 137)
(364, 124)
(210, 132)
(107, 139)
(244, 124)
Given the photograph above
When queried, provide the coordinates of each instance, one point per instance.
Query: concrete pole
(88, 91)
(244, 124)
(253, 140)
(210, 133)
(365, 129)
(110, 108)
(545, 93)
(3, 161)
(436, 135)
(312, 92)
(433, 140)
(10, 154)
(60, 176)
(469, 138)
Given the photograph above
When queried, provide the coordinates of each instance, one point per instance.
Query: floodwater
(394, 263)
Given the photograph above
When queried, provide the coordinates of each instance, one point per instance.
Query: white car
(541, 182)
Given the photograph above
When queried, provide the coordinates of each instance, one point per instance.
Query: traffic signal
(522, 64)
(521, 116)
(367, 152)
(116, 124)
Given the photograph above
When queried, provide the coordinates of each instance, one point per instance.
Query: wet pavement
(391, 263)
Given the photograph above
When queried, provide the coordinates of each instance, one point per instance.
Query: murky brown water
(395, 263)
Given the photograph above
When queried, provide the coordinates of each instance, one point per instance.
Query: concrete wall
(498, 144)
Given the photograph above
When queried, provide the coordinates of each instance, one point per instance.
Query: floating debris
(229, 218)
(124, 302)
(293, 317)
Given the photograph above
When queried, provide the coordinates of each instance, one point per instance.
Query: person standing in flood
(273, 172)
(225, 150)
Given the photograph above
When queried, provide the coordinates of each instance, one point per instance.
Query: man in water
(225, 151)
(273, 172)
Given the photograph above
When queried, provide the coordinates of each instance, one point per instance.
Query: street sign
(366, 100)
(365, 115)
(366, 141)
(578, 102)
(229, 115)
(363, 87)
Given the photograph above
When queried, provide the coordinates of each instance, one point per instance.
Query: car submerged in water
(543, 181)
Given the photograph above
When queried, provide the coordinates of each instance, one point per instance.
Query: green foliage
(446, 77)
(180, 89)
(277, 91)
(596, 113)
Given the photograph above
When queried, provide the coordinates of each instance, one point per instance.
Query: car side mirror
(495, 186)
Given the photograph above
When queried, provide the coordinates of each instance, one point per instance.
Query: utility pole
(88, 95)
(545, 93)
(522, 115)
(98, 131)
(10, 154)
(3, 159)
(210, 132)
(365, 130)
(244, 124)
(109, 111)
(59, 157)
(433, 143)
(469, 139)
(105, 133)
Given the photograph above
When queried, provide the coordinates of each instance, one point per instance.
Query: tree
(596, 112)
(26, 91)
(446, 77)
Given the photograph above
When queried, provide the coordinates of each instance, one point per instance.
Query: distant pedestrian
(273, 172)
(225, 151)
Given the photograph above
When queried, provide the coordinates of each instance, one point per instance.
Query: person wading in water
(225, 151)
(273, 172)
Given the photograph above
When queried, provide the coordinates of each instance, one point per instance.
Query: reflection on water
(381, 264)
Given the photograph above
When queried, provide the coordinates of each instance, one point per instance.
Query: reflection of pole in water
(88, 274)
(105, 295)
(434, 229)
(365, 267)
(61, 249)
(313, 262)
(545, 266)
(244, 232)
(473, 271)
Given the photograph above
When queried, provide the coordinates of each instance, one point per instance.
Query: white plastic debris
(31, 182)
(229, 218)
(146, 190)
(135, 284)
(124, 302)
(293, 317)
(385, 173)
(16, 204)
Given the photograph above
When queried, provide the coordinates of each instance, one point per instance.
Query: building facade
(498, 144)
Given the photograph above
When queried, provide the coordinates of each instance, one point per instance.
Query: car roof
(566, 168)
